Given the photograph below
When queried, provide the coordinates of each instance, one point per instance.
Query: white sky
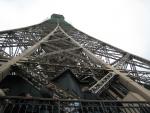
(122, 23)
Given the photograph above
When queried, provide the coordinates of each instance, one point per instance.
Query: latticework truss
(42, 52)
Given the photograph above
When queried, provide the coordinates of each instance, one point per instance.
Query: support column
(4, 69)
(132, 96)
(126, 81)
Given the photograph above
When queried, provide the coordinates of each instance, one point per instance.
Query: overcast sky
(122, 23)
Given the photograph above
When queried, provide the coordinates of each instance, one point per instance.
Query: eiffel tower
(57, 54)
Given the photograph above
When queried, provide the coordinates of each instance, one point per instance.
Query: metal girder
(130, 84)
(40, 80)
(84, 55)
(15, 41)
(108, 53)
(4, 69)
(103, 83)
(119, 64)
(60, 51)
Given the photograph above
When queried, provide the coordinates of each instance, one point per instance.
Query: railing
(43, 105)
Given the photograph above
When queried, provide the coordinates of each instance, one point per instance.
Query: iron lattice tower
(41, 52)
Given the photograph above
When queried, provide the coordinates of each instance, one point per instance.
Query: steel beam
(130, 84)
(4, 69)
(102, 84)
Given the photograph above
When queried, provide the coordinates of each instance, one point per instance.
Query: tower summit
(57, 16)
(54, 67)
